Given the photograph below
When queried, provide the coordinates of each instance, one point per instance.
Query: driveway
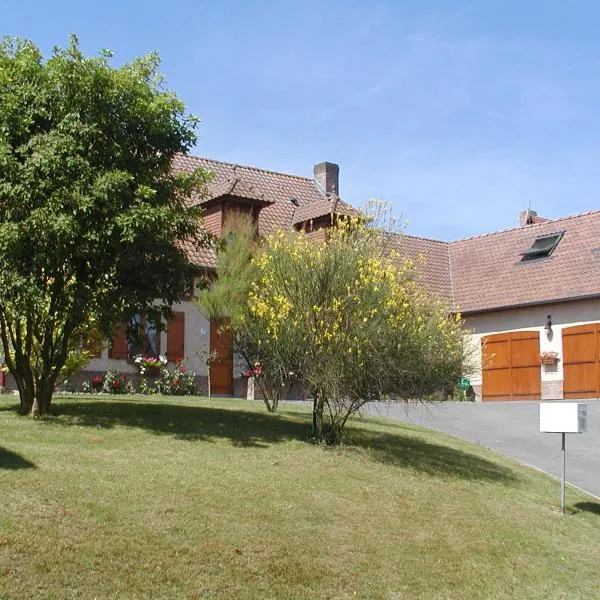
(511, 428)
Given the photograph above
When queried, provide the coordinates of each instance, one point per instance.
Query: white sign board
(563, 417)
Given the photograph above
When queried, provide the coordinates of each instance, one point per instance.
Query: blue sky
(460, 113)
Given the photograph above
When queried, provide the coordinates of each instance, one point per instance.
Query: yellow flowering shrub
(348, 321)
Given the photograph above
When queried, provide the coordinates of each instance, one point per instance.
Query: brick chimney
(327, 177)
(527, 217)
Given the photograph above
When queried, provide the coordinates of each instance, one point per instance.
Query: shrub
(96, 383)
(114, 382)
(146, 388)
(179, 382)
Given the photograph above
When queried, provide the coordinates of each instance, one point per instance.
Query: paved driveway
(512, 428)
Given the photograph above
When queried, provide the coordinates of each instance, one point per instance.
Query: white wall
(564, 314)
(197, 339)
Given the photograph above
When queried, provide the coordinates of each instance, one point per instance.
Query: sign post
(561, 417)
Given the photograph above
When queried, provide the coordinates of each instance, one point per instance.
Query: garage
(511, 366)
(581, 357)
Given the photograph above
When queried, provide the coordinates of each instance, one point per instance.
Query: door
(511, 366)
(581, 356)
(221, 368)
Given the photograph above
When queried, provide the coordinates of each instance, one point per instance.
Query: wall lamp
(548, 326)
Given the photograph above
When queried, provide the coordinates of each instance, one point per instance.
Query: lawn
(153, 497)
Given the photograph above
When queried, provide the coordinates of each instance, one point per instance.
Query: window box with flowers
(150, 365)
(549, 358)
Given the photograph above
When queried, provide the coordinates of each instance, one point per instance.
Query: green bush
(179, 382)
(146, 388)
(114, 382)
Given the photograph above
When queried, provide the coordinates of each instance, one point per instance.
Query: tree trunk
(275, 401)
(43, 395)
(24, 380)
(317, 416)
(266, 395)
(26, 395)
(208, 372)
(35, 395)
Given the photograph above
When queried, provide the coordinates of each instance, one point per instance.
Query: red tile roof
(488, 273)
(200, 256)
(472, 275)
(234, 187)
(431, 261)
(279, 188)
(322, 208)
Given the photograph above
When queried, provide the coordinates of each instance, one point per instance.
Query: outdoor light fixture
(548, 327)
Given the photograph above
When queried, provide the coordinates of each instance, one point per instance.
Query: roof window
(542, 246)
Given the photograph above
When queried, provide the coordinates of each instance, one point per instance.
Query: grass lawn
(153, 497)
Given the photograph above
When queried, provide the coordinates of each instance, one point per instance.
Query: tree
(348, 321)
(90, 211)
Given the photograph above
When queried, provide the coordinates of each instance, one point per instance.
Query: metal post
(562, 479)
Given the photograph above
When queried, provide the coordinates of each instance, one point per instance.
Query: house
(529, 296)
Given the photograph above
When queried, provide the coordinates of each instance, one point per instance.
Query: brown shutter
(176, 337)
(93, 344)
(119, 347)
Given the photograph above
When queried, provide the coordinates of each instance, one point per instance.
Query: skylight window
(542, 246)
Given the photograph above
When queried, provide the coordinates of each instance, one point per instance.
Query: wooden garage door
(581, 358)
(511, 366)
(221, 370)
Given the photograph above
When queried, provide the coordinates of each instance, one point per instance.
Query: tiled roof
(472, 275)
(234, 187)
(200, 256)
(431, 261)
(487, 271)
(322, 208)
(279, 188)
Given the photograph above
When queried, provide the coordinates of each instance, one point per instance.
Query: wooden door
(221, 369)
(581, 357)
(511, 366)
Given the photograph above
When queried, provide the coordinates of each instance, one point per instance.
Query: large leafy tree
(90, 211)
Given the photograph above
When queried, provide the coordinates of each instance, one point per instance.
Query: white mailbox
(563, 417)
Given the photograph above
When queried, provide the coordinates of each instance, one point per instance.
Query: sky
(459, 113)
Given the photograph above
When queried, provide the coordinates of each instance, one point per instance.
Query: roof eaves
(528, 304)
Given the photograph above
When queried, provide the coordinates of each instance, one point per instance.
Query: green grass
(149, 497)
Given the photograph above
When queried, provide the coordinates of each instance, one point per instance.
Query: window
(542, 246)
(139, 335)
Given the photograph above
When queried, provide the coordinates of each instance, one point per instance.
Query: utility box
(563, 417)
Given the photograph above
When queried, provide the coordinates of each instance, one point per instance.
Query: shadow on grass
(12, 461)
(204, 423)
(433, 459)
(591, 507)
(260, 429)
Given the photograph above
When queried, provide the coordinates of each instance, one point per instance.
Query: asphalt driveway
(511, 428)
